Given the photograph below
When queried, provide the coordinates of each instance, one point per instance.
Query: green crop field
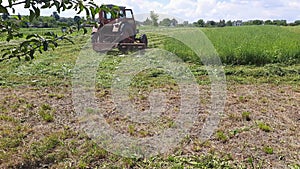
(256, 45)
(259, 127)
(252, 45)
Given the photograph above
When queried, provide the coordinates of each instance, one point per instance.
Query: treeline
(53, 21)
(210, 23)
(154, 21)
(222, 23)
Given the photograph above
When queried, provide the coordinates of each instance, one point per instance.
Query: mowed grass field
(259, 127)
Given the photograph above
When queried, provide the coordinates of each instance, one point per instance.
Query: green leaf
(92, 3)
(19, 17)
(27, 58)
(84, 30)
(57, 4)
(37, 11)
(6, 53)
(49, 34)
(31, 54)
(87, 11)
(65, 38)
(20, 35)
(27, 4)
(53, 42)
(35, 41)
(69, 7)
(10, 3)
(63, 6)
(45, 45)
(31, 36)
(46, 5)
(24, 44)
(93, 12)
(9, 37)
(31, 16)
(3, 9)
(81, 7)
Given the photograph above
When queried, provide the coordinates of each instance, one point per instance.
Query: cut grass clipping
(246, 116)
(264, 127)
(46, 113)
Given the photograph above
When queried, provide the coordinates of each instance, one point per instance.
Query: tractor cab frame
(117, 29)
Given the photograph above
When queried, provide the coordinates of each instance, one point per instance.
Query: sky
(193, 10)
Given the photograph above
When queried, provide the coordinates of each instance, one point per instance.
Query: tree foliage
(211, 23)
(38, 42)
(168, 22)
(147, 21)
(78, 21)
(165, 22)
(222, 23)
(55, 16)
(199, 23)
(229, 23)
(174, 22)
(5, 16)
(154, 18)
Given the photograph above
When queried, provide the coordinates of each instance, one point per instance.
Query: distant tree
(49, 21)
(199, 23)
(78, 21)
(257, 22)
(211, 23)
(19, 16)
(268, 22)
(229, 23)
(55, 16)
(254, 22)
(174, 22)
(154, 18)
(247, 23)
(185, 23)
(283, 22)
(67, 21)
(165, 22)
(24, 23)
(280, 22)
(147, 22)
(297, 22)
(5, 16)
(222, 23)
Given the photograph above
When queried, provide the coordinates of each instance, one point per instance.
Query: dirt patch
(269, 136)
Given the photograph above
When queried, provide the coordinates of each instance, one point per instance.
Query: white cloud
(192, 10)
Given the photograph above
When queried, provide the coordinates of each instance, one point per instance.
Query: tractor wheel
(144, 39)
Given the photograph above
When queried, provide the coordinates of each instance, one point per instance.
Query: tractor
(117, 29)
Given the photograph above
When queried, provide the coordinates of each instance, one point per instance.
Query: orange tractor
(117, 29)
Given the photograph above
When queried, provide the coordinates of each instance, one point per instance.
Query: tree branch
(17, 3)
